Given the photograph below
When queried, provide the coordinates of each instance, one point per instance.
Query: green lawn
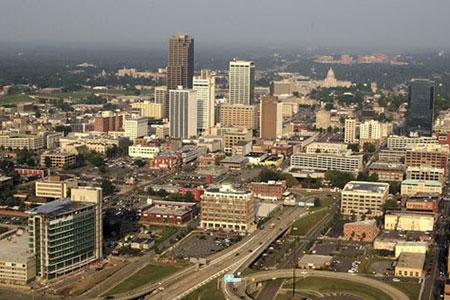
(411, 289)
(13, 99)
(150, 273)
(207, 292)
(330, 285)
(304, 224)
(324, 202)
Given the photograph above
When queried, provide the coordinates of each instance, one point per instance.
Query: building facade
(205, 85)
(363, 198)
(350, 131)
(136, 127)
(271, 120)
(183, 113)
(421, 98)
(244, 116)
(228, 209)
(241, 81)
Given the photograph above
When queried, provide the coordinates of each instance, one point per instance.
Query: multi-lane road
(184, 282)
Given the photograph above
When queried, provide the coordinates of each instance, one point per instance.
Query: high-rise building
(420, 106)
(180, 66)
(136, 127)
(65, 235)
(244, 116)
(162, 97)
(149, 109)
(108, 121)
(94, 195)
(183, 113)
(205, 85)
(226, 208)
(241, 81)
(271, 117)
(373, 131)
(350, 131)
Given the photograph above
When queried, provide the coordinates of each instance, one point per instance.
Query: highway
(271, 289)
(287, 273)
(186, 281)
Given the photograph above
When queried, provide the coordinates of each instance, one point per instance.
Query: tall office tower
(183, 113)
(64, 235)
(421, 106)
(350, 131)
(161, 97)
(205, 85)
(271, 117)
(180, 68)
(239, 115)
(135, 127)
(94, 195)
(241, 81)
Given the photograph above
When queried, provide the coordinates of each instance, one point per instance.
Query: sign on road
(229, 278)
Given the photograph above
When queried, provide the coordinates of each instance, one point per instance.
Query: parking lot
(204, 244)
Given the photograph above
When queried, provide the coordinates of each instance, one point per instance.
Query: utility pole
(294, 265)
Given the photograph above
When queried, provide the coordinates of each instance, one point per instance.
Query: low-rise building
(410, 265)
(229, 209)
(17, 264)
(366, 231)
(324, 162)
(387, 171)
(168, 212)
(314, 261)
(408, 221)
(425, 173)
(363, 198)
(271, 190)
(165, 161)
(411, 247)
(234, 162)
(141, 151)
(54, 187)
(21, 141)
(57, 159)
(423, 203)
(413, 187)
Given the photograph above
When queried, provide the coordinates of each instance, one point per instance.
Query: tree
(111, 151)
(107, 187)
(390, 204)
(369, 147)
(48, 162)
(337, 178)
(363, 236)
(394, 187)
(353, 147)
(140, 163)
(353, 216)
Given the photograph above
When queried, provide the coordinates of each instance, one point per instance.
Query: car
(395, 280)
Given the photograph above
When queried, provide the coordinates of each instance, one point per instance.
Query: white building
(205, 85)
(241, 81)
(350, 131)
(403, 142)
(183, 113)
(140, 151)
(136, 127)
(373, 130)
(323, 162)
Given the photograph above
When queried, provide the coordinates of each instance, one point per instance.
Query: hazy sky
(398, 24)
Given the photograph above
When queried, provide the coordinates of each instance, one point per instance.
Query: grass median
(209, 291)
(149, 274)
(303, 225)
(326, 286)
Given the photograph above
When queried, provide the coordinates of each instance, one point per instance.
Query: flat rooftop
(58, 207)
(365, 186)
(425, 182)
(14, 248)
(411, 260)
(387, 166)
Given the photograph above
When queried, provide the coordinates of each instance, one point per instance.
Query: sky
(382, 24)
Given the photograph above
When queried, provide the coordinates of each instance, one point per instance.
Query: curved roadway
(287, 273)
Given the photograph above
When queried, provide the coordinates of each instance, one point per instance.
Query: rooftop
(411, 260)
(14, 247)
(387, 166)
(366, 186)
(425, 182)
(58, 207)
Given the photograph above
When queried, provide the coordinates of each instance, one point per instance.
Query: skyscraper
(421, 106)
(180, 66)
(205, 85)
(241, 81)
(271, 117)
(183, 113)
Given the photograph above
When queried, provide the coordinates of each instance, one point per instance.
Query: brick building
(271, 190)
(365, 231)
(168, 212)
